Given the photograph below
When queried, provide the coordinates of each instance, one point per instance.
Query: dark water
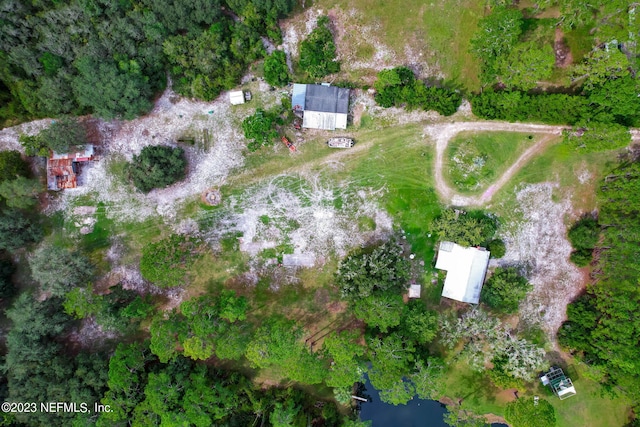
(416, 413)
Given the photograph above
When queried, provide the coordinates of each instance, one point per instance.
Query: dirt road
(443, 133)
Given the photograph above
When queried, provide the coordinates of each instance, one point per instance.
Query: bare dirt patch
(564, 58)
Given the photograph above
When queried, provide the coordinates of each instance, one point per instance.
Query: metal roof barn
(466, 269)
(324, 107)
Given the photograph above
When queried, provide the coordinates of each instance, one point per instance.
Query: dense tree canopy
(505, 289)
(58, 269)
(602, 325)
(399, 87)
(157, 167)
(17, 229)
(381, 269)
(584, 235)
(111, 58)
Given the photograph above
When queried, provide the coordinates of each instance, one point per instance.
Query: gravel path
(443, 133)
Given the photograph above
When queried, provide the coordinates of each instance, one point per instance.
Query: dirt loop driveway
(443, 133)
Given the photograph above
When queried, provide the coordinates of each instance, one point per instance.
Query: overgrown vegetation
(584, 235)
(504, 290)
(166, 262)
(399, 87)
(157, 167)
(260, 128)
(318, 51)
(464, 228)
(110, 59)
(602, 327)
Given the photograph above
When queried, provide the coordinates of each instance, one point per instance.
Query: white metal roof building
(236, 97)
(323, 106)
(466, 269)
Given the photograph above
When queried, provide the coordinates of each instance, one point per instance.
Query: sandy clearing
(535, 238)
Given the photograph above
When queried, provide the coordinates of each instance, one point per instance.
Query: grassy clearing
(437, 34)
(578, 176)
(590, 407)
(473, 161)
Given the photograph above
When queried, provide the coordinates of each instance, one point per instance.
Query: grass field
(578, 176)
(473, 161)
(590, 407)
(437, 33)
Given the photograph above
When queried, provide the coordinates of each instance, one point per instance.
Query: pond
(416, 413)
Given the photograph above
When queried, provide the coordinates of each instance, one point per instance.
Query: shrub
(505, 289)
(584, 235)
(260, 128)
(497, 248)
(276, 72)
(398, 87)
(156, 167)
(166, 262)
(318, 51)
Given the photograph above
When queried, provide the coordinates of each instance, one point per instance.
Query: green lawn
(474, 161)
(590, 407)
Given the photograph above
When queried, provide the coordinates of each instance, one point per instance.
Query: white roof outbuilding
(466, 269)
(323, 106)
(236, 97)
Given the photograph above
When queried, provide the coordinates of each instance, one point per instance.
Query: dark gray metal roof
(327, 99)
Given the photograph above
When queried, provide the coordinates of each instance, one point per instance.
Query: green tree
(276, 72)
(524, 412)
(274, 343)
(497, 248)
(379, 310)
(584, 234)
(17, 229)
(166, 262)
(7, 288)
(260, 129)
(456, 417)
(601, 65)
(596, 137)
(112, 90)
(58, 269)
(12, 166)
(318, 51)
(464, 228)
(505, 289)
(428, 378)
(526, 65)
(418, 323)
(381, 269)
(21, 192)
(391, 360)
(64, 135)
(345, 352)
(617, 101)
(157, 167)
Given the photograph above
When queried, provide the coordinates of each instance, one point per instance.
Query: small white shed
(236, 97)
